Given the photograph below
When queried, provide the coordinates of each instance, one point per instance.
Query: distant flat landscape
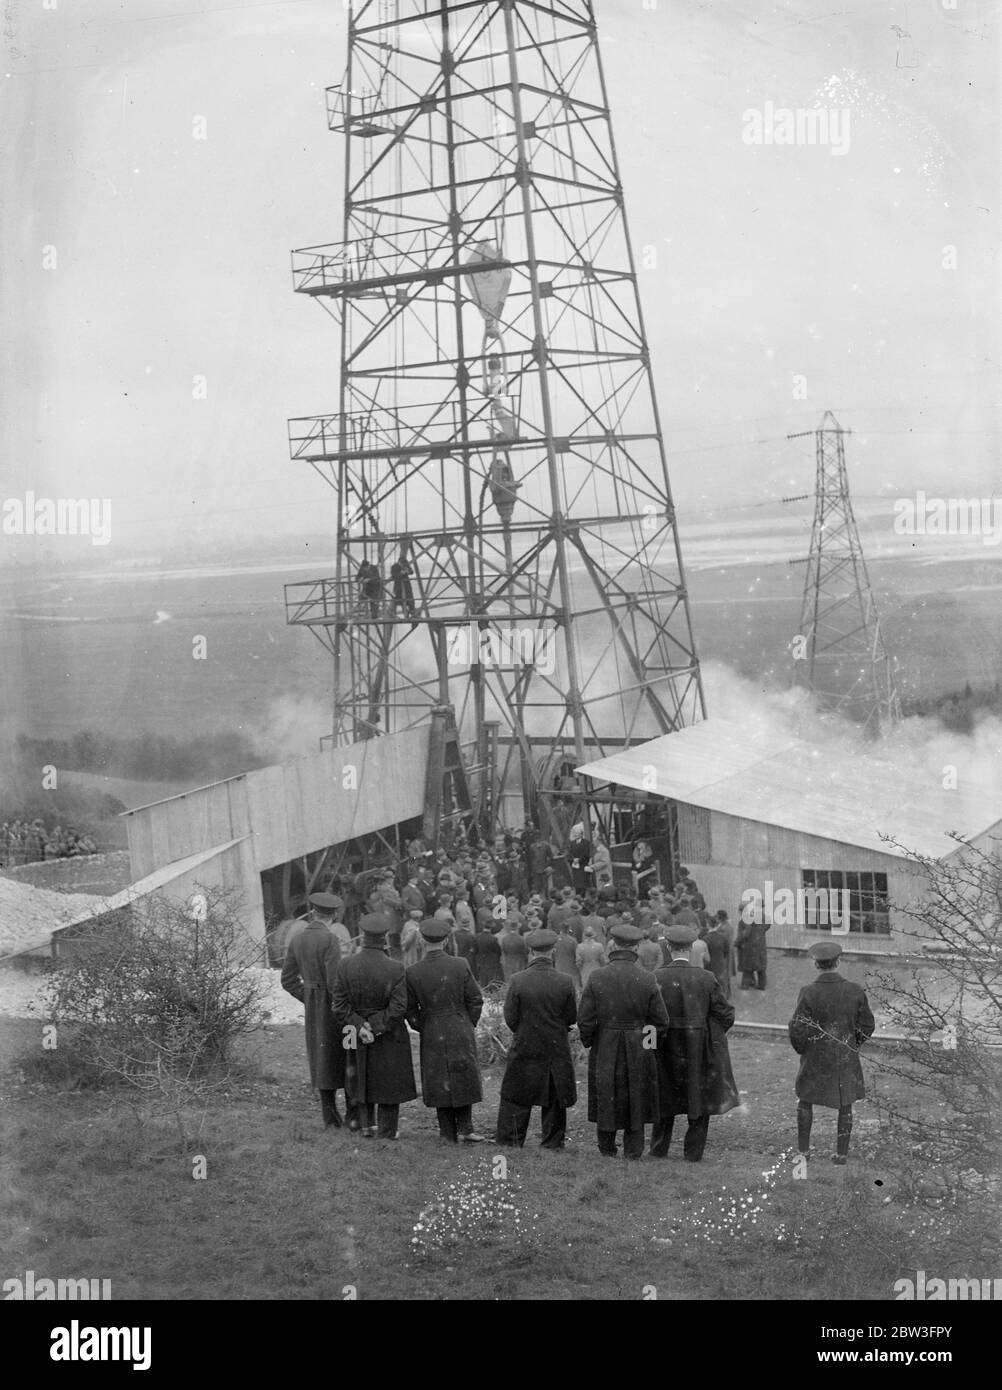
(113, 650)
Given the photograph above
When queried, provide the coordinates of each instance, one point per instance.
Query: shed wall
(744, 854)
(287, 811)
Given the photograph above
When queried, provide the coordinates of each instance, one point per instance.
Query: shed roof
(847, 795)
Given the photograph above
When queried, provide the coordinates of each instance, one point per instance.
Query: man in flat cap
(562, 909)
(540, 1010)
(830, 1024)
(620, 1017)
(443, 1005)
(369, 1001)
(693, 1063)
(412, 895)
(308, 974)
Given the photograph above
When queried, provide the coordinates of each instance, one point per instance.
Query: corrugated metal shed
(848, 796)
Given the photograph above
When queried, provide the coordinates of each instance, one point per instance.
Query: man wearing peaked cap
(540, 1010)
(443, 1005)
(329, 902)
(542, 939)
(308, 974)
(694, 1068)
(369, 1001)
(626, 934)
(826, 950)
(830, 1024)
(620, 1017)
(329, 909)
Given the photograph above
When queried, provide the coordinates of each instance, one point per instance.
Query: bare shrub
(939, 1134)
(153, 999)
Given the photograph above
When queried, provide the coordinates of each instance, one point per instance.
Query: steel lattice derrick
(847, 664)
(497, 433)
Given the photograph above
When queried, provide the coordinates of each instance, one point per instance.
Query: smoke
(291, 728)
(972, 763)
(939, 757)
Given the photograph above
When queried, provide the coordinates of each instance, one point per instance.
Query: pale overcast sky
(173, 252)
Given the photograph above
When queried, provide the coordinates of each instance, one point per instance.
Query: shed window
(869, 914)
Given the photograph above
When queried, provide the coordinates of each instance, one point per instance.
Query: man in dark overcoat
(578, 858)
(539, 864)
(718, 943)
(308, 974)
(539, 1009)
(830, 1024)
(443, 1005)
(514, 949)
(565, 954)
(463, 945)
(329, 909)
(750, 943)
(561, 909)
(487, 956)
(620, 1017)
(412, 896)
(369, 1001)
(695, 1077)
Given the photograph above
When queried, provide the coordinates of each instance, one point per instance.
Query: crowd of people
(644, 972)
(29, 842)
(493, 900)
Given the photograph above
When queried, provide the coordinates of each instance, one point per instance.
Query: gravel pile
(23, 993)
(27, 914)
(279, 1007)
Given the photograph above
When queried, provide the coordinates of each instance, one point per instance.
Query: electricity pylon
(843, 657)
(496, 443)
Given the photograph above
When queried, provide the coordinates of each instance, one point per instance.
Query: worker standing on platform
(370, 587)
(400, 575)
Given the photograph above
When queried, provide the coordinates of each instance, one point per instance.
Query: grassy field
(286, 1211)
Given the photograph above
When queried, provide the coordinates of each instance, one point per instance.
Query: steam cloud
(918, 742)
